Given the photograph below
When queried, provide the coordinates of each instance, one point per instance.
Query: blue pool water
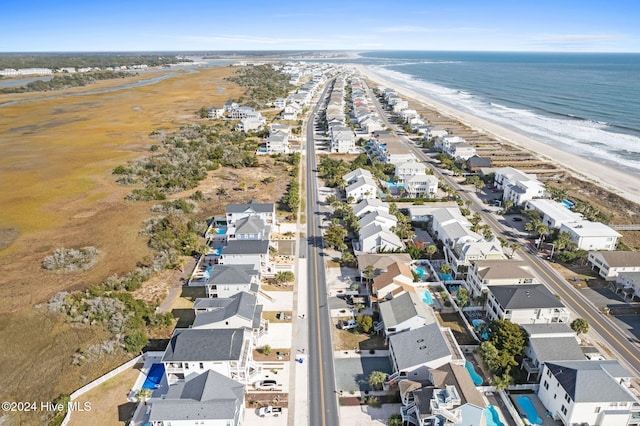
(476, 323)
(220, 231)
(445, 277)
(421, 272)
(492, 417)
(218, 251)
(477, 380)
(568, 204)
(154, 377)
(529, 409)
(426, 297)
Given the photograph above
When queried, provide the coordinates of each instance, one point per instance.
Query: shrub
(71, 260)
(135, 341)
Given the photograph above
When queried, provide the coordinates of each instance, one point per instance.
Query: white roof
(585, 228)
(554, 209)
(362, 181)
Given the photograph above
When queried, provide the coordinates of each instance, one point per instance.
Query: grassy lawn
(271, 316)
(344, 340)
(457, 326)
(583, 273)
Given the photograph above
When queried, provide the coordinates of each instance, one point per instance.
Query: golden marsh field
(56, 190)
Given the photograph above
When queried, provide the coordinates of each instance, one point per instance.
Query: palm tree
(563, 240)
(377, 379)
(368, 272)
(431, 250)
(445, 268)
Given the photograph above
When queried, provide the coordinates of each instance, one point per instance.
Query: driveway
(352, 374)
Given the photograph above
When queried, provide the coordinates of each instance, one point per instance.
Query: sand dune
(618, 181)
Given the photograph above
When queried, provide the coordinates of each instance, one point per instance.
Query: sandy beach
(612, 179)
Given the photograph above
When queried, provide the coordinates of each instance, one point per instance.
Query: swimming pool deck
(542, 412)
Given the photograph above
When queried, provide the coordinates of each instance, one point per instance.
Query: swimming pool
(477, 379)
(154, 377)
(529, 409)
(426, 297)
(476, 324)
(492, 417)
(221, 230)
(421, 272)
(445, 277)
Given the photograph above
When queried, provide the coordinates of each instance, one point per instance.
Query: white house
(404, 312)
(483, 273)
(549, 343)
(226, 351)
(342, 139)
(266, 211)
(361, 189)
(629, 284)
(522, 191)
(280, 103)
(609, 264)
(248, 228)
(588, 393)
(291, 111)
(553, 213)
(249, 124)
(370, 205)
(396, 280)
(460, 151)
(591, 235)
(524, 304)
(208, 399)
(374, 238)
(226, 280)
(386, 220)
(423, 186)
(414, 353)
(278, 143)
(407, 170)
(358, 173)
(248, 252)
(216, 112)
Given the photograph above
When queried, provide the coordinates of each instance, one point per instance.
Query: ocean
(584, 103)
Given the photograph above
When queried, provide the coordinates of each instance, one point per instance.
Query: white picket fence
(86, 388)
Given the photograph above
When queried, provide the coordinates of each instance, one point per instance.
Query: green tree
(445, 268)
(395, 420)
(490, 356)
(143, 395)
(266, 350)
(284, 277)
(502, 382)
(348, 259)
(334, 236)
(365, 322)
(368, 272)
(580, 326)
(431, 250)
(134, 342)
(463, 297)
(377, 379)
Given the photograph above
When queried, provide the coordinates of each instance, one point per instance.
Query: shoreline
(616, 181)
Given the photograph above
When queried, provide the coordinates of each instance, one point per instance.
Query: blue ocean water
(585, 103)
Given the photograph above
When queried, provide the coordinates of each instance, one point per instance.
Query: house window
(202, 366)
(549, 373)
(564, 410)
(567, 398)
(546, 385)
(597, 410)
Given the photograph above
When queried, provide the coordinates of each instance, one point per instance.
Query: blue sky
(144, 25)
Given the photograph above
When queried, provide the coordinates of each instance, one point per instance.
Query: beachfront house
(248, 228)
(549, 343)
(386, 220)
(609, 264)
(518, 186)
(406, 170)
(588, 393)
(628, 284)
(226, 351)
(208, 399)
(483, 273)
(524, 304)
(591, 235)
(414, 353)
(250, 124)
(553, 213)
(266, 211)
(277, 143)
(404, 312)
(379, 262)
(460, 151)
(226, 280)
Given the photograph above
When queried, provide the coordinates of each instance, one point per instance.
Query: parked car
(270, 411)
(266, 385)
(348, 324)
(517, 219)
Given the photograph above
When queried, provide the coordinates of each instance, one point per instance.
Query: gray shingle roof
(419, 346)
(210, 395)
(246, 247)
(205, 345)
(241, 304)
(503, 269)
(619, 259)
(591, 381)
(524, 296)
(250, 225)
(232, 274)
(251, 206)
(547, 328)
(402, 308)
(556, 349)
